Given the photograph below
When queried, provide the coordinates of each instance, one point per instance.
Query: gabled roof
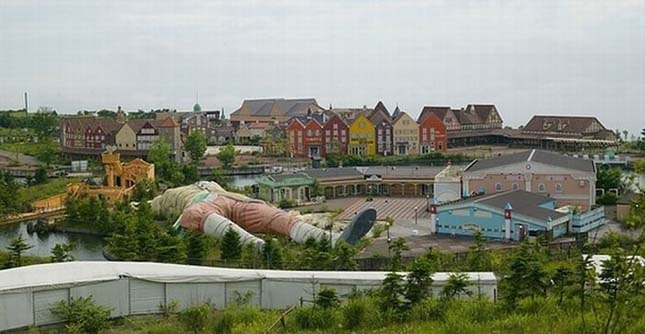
(570, 124)
(108, 125)
(378, 116)
(399, 116)
(331, 115)
(168, 122)
(540, 156)
(396, 112)
(522, 202)
(287, 107)
(440, 112)
(482, 111)
(380, 106)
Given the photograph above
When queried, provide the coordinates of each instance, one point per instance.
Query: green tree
(196, 248)
(17, 246)
(527, 277)
(83, 315)
(123, 244)
(221, 178)
(272, 253)
(40, 176)
(343, 257)
(9, 202)
(195, 145)
(478, 258)
(226, 156)
(231, 248)
(609, 178)
(250, 257)
(195, 318)
(457, 285)
(44, 123)
(170, 248)
(327, 298)
(392, 290)
(418, 282)
(61, 252)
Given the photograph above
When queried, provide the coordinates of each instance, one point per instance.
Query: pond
(241, 181)
(88, 247)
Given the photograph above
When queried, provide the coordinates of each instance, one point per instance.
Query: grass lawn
(51, 188)
(33, 149)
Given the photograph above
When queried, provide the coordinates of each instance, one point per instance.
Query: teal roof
(197, 107)
(285, 180)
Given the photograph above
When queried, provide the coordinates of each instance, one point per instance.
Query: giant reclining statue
(208, 208)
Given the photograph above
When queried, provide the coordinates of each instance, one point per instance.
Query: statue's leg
(216, 225)
(263, 218)
(208, 218)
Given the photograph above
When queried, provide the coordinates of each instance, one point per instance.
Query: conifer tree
(231, 248)
(17, 246)
(196, 248)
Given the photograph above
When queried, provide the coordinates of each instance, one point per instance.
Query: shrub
(223, 324)
(83, 315)
(327, 298)
(286, 203)
(427, 310)
(543, 306)
(360, 312)
(314, 318)
(195, 318)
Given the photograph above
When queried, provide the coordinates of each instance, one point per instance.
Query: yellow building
(362, 135)
(406, 135)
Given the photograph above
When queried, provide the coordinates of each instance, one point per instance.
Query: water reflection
(88, 247)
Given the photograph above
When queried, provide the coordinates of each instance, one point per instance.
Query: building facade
(336, 135)
(445, 114)
(568, 180)
(406, 135)
(383, 128)
(362, 136)
(433, 136)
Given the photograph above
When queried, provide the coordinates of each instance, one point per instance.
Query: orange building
(432, 135)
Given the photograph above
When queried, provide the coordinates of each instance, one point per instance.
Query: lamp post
(427, 202)
(415, 215)
(389, 240)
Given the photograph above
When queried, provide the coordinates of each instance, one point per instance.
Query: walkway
(396, 208)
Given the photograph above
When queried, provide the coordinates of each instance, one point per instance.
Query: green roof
(285, 180)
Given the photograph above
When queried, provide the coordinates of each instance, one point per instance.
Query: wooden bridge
(50, 216)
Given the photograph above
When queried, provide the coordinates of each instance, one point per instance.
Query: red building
(313, 138)
(336, 136)
(432, 134)
(295, 138)
(304, 138)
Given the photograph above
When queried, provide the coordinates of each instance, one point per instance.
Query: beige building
(568, 180)
(126, 138)
(406, 135)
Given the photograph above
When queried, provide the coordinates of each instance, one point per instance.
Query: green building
(294, 187)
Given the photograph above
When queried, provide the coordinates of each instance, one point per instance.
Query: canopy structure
(27, 294)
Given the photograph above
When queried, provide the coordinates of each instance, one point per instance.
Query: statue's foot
(358, 227)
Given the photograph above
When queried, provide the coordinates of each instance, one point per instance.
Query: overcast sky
(533, 57)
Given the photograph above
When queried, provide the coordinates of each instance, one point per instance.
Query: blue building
(512, 215)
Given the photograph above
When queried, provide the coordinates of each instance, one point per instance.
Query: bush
(195, 318)
(314, 318)
(427, 310)
(286, 203)
(607, 199)
(83, 315)
(361, 312)
(327, 298)
(223, 324)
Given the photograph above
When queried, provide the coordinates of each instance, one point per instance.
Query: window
(558, 187)
(516, 186)
(541, 188)
(498, 187)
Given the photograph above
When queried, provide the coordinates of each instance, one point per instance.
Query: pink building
(568, 180)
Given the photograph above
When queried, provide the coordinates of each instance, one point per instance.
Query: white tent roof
(83, 272)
